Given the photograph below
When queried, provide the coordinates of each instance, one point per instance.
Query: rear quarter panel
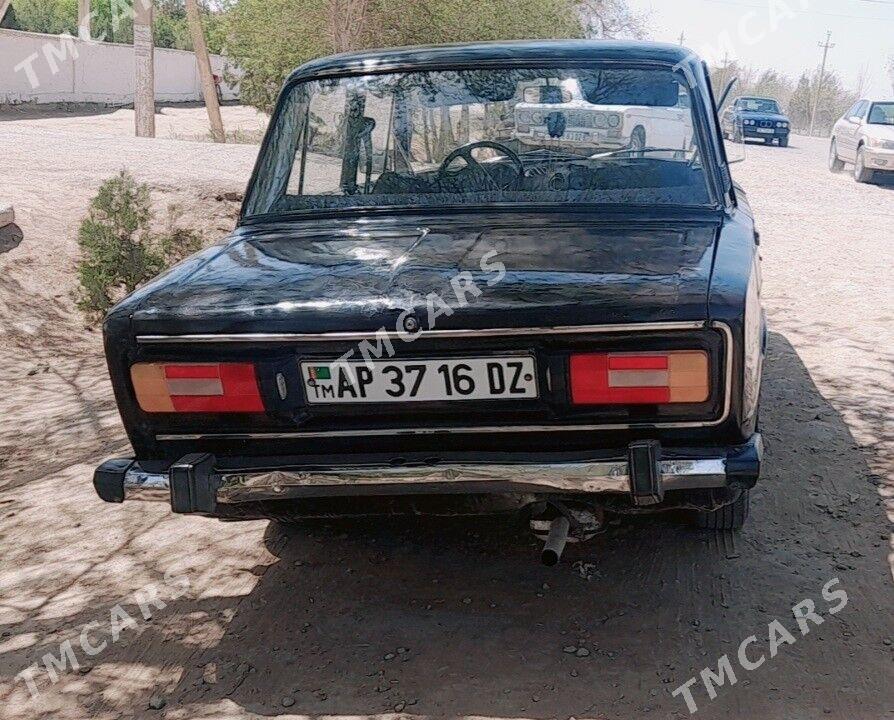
(736, 265)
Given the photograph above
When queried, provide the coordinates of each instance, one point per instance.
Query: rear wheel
(862, 174)
(729, 517)
(835, 163)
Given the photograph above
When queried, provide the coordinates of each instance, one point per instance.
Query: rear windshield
(460, 137)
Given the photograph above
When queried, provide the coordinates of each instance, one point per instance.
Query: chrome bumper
(879, 159)
(597, 477)
(193, 484)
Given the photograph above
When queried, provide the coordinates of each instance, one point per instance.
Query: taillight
(196, 387)
(642, 378)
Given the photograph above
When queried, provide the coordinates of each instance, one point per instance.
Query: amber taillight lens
(647, 378)
(196, 387)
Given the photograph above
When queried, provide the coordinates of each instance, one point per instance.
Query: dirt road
(435, 619)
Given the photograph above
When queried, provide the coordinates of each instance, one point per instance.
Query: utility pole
(144, 69)
(84, 19)
(683, 37)
(822, 77)
(209, 91)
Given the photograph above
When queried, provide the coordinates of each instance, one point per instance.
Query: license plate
(506, 378)
(765, 131)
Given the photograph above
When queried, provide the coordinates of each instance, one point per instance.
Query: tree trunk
(445, 133)
(426, 136)
(209, 90)
(144, 69)
(464, 126)
(433, 130)
(83, 19)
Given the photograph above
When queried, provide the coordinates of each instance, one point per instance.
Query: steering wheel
(479, 170)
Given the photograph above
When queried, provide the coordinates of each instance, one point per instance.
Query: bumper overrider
(200, 483)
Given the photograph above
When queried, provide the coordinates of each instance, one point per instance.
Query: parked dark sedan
(756, 119)
(415, 317)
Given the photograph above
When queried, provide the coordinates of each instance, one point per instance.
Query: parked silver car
(865, 138)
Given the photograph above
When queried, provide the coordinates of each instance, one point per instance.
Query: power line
(828, 45)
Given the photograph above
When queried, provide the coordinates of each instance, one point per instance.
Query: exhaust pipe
(555, 541)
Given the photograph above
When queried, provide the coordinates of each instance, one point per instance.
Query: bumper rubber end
(108, 479)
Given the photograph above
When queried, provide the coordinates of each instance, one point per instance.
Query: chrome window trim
(292, 435)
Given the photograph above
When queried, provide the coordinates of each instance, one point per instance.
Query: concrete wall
(71, 70)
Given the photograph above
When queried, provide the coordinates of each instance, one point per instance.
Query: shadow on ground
(484, 629)
(34, 111)
(456, 619)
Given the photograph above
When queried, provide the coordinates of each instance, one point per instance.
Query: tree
(727, 70)
(46, 16)
(209, 89)
(773, 84)
(834, 99)
(112, 21)
(268, 38)
(611, 19)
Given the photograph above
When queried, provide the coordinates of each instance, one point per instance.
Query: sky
(783, 34)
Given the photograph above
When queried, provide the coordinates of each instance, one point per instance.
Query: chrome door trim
(425, 334)
(380, 432)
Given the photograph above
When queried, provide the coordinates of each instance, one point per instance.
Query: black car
(415, 317)
(756, 119)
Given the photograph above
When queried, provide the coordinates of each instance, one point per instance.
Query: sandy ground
(435, 619)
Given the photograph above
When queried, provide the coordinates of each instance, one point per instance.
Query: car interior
(451, 136)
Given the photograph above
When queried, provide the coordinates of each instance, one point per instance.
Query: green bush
(119, 252)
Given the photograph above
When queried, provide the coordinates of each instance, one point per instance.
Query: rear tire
(729, 517)
(862, 174)
(836, 164)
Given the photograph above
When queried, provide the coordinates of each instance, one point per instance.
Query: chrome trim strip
(292, 435)
(587, 477)
(433, 334)
(139, 485)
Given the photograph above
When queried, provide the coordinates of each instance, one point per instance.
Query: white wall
(72, 70)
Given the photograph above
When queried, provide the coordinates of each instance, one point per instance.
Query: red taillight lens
(648, 378)
(197, 387)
